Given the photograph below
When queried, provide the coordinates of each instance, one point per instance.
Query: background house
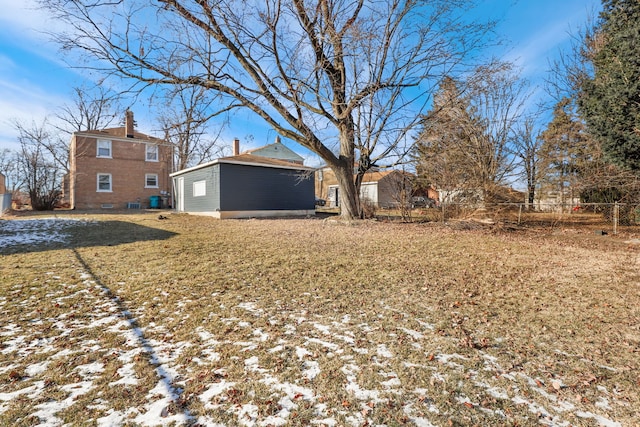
(118, 168)
(427, 192)
(277, 150)
(479, 198)
(555, 200)
(246, 185)
(384, 189)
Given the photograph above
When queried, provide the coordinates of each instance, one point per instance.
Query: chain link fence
(606, 217)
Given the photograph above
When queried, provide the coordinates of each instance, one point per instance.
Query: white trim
(98, 141)
(254, 214)
(146, 177)
(239, 162)
(180, 196)
(146, 152)
(98, 190)
(151, 139)
(199, 188)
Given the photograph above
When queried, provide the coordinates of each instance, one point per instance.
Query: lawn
(127, 320)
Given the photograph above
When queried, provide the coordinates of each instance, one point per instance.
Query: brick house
(118, 168)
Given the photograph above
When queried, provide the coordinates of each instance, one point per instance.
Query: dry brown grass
(401, 323)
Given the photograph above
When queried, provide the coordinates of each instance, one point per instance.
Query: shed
(245, 186)
(5, 197)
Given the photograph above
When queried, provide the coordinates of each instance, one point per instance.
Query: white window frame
(146, 180)
(199, 188)
(100, 190)
(100, 144)
(151, 149)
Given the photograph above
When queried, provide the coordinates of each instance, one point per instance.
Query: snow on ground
(39, 231)
(311, 342)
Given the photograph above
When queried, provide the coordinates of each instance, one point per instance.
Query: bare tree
(527, 147)
(185, 123)
(40, 172)
(341, 78)
(9, 168)
(402, 188)
(572, 66)
(592, 174)
(43, 157)
(497, 96)
(92, 109)
(439, 157)
(466, 141)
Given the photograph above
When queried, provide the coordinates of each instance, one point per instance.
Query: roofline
(253, 150)
(99, 134)
(240, 162)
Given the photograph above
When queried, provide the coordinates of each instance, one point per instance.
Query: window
(199, 188)
(152, 153)
(104, 148)
(104, 182)
(151, 180)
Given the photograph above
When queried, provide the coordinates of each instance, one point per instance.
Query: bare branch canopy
(345, 79)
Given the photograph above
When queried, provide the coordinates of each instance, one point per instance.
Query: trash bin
(154, 202)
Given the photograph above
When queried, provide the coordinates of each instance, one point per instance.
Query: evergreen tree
(610, 99)
(465, 141)
(566, 152)
(439, 152)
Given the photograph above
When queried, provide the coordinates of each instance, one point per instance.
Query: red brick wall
(127, 167)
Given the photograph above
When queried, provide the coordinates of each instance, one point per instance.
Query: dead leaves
(234, 396)
(15, 376)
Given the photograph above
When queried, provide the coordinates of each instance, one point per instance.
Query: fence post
(616, 217)
(520, 214)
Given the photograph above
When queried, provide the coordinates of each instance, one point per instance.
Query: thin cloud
(29, 78)
(6, 63)
(25, 19)
(533, 53)
(25, 103)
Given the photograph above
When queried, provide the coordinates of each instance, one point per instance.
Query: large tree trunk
(531, 190)
(343, 168)
(349, 197)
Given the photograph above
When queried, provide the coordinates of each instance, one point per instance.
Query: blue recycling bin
(154, 202)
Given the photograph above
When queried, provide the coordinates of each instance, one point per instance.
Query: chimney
(128, 124)
(236, 146)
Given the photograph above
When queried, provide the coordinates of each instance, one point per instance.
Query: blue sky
(35, 81)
